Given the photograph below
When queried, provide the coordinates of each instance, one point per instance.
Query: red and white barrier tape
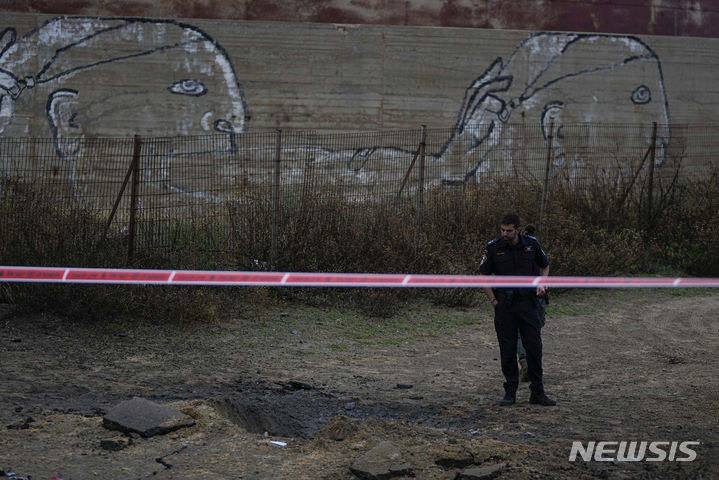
(292, 279)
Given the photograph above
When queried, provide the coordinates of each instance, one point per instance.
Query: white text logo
(634, 451)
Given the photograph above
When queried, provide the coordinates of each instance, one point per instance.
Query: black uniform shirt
(524, 258)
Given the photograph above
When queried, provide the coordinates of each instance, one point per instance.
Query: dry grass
(589, 231)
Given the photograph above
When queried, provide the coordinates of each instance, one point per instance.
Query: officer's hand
(541, 291)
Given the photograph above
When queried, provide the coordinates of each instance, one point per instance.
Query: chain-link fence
(161, 191)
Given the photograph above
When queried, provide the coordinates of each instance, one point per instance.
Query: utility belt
(509, 295)
(514, 292)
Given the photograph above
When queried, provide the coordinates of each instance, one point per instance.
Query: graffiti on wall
(543, 86)
(118, 76)
(545, 83)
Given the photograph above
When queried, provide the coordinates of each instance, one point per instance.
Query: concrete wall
(70, 76)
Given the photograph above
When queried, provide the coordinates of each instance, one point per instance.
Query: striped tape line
(292, 279)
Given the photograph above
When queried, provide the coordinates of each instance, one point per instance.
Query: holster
(535, 300)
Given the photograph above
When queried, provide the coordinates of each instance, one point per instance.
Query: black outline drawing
(490, 102)
(55, 52)
(492, 98)
(58, 62)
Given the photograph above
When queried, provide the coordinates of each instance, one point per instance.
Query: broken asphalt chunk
(145, 417)
(381, 463)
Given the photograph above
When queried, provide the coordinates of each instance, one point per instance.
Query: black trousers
(519, 314)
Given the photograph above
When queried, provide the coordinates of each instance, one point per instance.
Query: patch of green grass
(339, 347)
(369, 330)
(441, 322)
(569, 309)
(343, 327)
(403, 327)
(395, 340)
(712, 411)
(678, 292)
(692, 292)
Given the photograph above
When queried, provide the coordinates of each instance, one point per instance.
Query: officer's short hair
(511, 219)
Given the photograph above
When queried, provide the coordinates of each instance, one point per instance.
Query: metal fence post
(420, 185)
(406, 175)
(275, 197)
(133, 199)
(547, 166)
(650, 186)
(130, 169)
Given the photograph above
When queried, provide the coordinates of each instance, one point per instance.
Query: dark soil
(331, 384)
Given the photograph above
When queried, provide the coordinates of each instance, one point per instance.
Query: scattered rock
(25, 424)
(381, 463)
(294, 385)
(454, 456)
(115, 444)
(350, 405)
(145, 417)
(14, 476)
(483, 473)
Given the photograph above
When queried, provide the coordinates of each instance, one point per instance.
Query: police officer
(515, 309)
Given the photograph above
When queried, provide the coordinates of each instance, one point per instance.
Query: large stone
(482, 473)
(115, 444)
(145, 417)
(454, 456)
(381, 463)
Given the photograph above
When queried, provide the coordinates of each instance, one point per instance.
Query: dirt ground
(637, 365)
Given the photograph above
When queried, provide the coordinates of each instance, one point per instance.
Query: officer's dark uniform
(517, 308)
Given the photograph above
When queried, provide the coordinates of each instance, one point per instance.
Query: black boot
(509, 399)
(541, 399)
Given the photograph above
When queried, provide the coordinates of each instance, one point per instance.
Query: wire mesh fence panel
(251, 192)
(34, 162)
